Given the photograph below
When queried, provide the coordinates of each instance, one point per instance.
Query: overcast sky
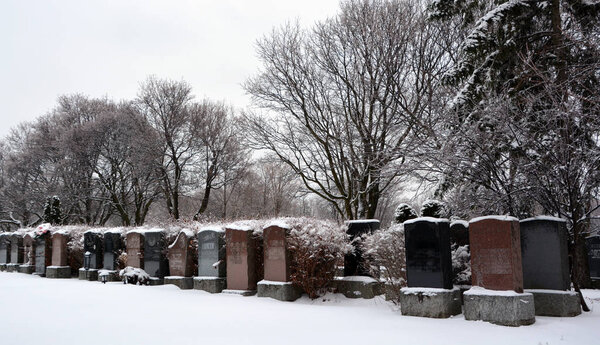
(106, 48)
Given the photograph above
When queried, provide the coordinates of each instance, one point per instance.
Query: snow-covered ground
(37, 310)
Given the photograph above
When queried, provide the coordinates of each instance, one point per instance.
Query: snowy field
(42, 311)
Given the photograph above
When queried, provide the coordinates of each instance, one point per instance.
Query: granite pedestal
(27, 269)
(89, 274)
(556, 303)
(282, 291)
(430, 302)
(358, 287)
(184, 283)
(506, 308)
(210, 284)
(58, 272)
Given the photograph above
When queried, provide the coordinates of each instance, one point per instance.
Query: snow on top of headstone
(187, 232)
(550, 218)
(427, 219)
(495, 217)
(461, 222)
(362, 221)
(279, 222)
(478, 290)
(212, 227)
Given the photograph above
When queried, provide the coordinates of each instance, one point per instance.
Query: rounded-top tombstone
(593, 248)
(113, 247)
(180, 256)
(211, 253)
(28, 251)
(135, 249)
(428, 259)
(354, 263)
(544, 252)
(93, 243)
(495, 243)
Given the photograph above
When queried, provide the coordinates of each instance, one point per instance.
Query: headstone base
(358, 287)
(12, 267)
(89, 274)
(506, 308)
(27, 269)
(210, 284)
(184, 283)
(2, 267)
(556, 303)
(430, 302)
(595, 283)
(39, 274)
(111, 276)
(58, 272)
(283, 291)
(154, 281)
(240, 292)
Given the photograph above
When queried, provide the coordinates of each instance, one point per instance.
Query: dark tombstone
(277, 257)
(211, 253)
(180, 255)
(495, 243)
(243, 271)
(428, 259)
(593, 248)
(354, 263)
(43, 252)
(28, 253)
(113, 247)
(155, 250)
(135, 249)
(459, 232)
(4, 248)
(92, 243)
(544, 253)
(16, 249)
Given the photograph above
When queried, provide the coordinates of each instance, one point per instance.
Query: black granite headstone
(459, 233)
(16, 249)
(544, 253)
(428, 259)
(4, 248)
(593, 247)
(354, 263)
(113, 247)
(92, 243)
(43, 255)
(155, 254)
(211, 254)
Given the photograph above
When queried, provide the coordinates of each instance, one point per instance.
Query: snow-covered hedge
(404, 212)
(461, 265)
(435, 208)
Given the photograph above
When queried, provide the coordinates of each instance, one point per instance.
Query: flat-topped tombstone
(155, 250)
(544, 253)
(113, 247)
(593, 247)
(428, 259)
(211, 253)
(4, 248)
(495, 243)
(277, 256)
(459, 232)
(241, 259)
(16, 249)
(180, 255)
(59, 249)
(135, 249)
(43, 251)
(354, 263)
(28, 252)
(92, 243)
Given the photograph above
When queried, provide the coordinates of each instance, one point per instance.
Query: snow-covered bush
(404, 212)
(384, 254)
(461, 265)
(435, 208)
(315, 247)
(133, 275)
(74, 245)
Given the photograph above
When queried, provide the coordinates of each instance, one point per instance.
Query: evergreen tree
(52, 212)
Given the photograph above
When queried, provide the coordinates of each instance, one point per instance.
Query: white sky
(106, 48)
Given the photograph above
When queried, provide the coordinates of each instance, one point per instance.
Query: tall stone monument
(497, 294)
(593, 251)
(4, 250)
(277, 265)
(212, 267)
(430, 292)
(244, 260)
(60, 267)
(135, 249)
(113, 246)
(28, 265)
(93, 250)
(16, 252)
(181, 265)
(155, 255)
(42, 244)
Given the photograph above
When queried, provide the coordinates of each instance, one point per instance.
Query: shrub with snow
(315, 246)
(435, 208)
(404, 212)
(384, 255)
(133, 275)
(461, 265)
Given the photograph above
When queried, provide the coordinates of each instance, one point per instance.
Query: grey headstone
(428, 258)
(211, 254)
(92, 242)
(155, 254)
(545, 254)
(593, 247)
(16, 249)
(42, 248)
(4, 248)
(113, 246)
